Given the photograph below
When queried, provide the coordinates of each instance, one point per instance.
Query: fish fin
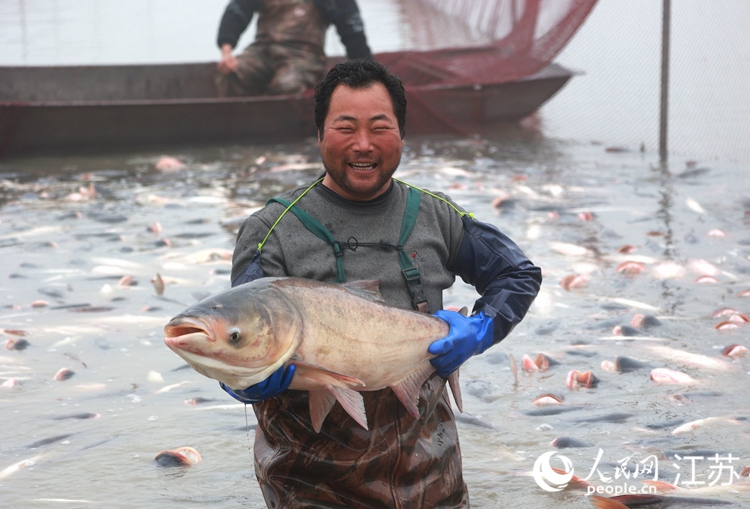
(513, 367)
(662, 486)
(407, 390)
(321, 403)
(606, 503)
(456, 390)
(366, 288)
(352, 402)
(317, 376)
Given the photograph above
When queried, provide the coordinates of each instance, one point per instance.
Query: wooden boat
(84, 109)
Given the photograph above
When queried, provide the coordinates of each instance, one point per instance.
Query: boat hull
(55, 110)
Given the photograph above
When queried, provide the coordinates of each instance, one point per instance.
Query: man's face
(361, 144)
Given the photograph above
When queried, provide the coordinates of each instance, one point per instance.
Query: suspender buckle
(414, 283)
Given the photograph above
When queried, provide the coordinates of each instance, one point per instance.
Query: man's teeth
(363, 166)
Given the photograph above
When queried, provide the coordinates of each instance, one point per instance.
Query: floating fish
(15, 467)
(670, 376)
(180, 457)
(341, 337)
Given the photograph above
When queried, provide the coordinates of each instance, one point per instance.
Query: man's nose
(363, 140)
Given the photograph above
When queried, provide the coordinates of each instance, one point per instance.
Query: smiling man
(357, 222)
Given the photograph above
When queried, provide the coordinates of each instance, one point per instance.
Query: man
(363, 224)
(287, 56)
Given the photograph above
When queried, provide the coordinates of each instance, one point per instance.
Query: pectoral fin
(311, 377)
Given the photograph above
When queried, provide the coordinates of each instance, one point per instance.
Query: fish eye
(235, 336)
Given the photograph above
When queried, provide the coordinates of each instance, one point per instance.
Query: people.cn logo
(549, 478)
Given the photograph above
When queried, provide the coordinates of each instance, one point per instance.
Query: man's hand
(228, 63)
(468, 335)
(272, 386)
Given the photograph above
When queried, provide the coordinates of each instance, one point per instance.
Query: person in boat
(415, 242)
(287, 55)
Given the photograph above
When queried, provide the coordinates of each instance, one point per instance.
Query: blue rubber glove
(272, 386)
(468, 335)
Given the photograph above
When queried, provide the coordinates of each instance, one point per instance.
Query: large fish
(342, 338)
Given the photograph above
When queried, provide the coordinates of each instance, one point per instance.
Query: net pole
(664, 102)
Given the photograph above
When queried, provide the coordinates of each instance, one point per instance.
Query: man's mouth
(363, 166)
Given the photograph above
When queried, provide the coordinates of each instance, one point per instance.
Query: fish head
(239, 336)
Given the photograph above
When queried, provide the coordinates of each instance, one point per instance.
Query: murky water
(62, 245)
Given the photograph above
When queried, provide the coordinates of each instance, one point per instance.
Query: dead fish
(706, 280)
(155, 228)
(158, 283)
(695, 206)
(617, 417)
(569, 443)
(704, 268)
(180, 457)
(699, 423)
(74, 357)
(653, 501)
(734, 351)
(726, 325)
(574, 281)
(586, 379)
(11, 383)
(127, 281)
(641, 321)
(168, 388)
(513, 367)
(542, 362)
(15, 467)
(568, 249)
(626, 364)
(82, 416)
(50, 440)
(15, 332)
(467, 418)
(199, 401)
(670, 376)
(691, 359)
(548, 399)
(631, 268)
(168, 164)
(552, 410)
(64, 374)
(242, 335)
(627, 331)
(17, 344)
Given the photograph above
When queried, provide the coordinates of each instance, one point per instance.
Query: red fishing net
(520, 37)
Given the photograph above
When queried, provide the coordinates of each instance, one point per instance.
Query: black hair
(360, 74)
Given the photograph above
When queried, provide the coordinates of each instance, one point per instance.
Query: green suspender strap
(320, 231)
(410, 272)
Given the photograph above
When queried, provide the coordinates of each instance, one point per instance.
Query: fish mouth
(184, 326)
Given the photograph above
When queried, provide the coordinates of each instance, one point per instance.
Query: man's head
(359, 74)
(360, 111)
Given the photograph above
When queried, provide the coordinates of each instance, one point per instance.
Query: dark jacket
(343, 14)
